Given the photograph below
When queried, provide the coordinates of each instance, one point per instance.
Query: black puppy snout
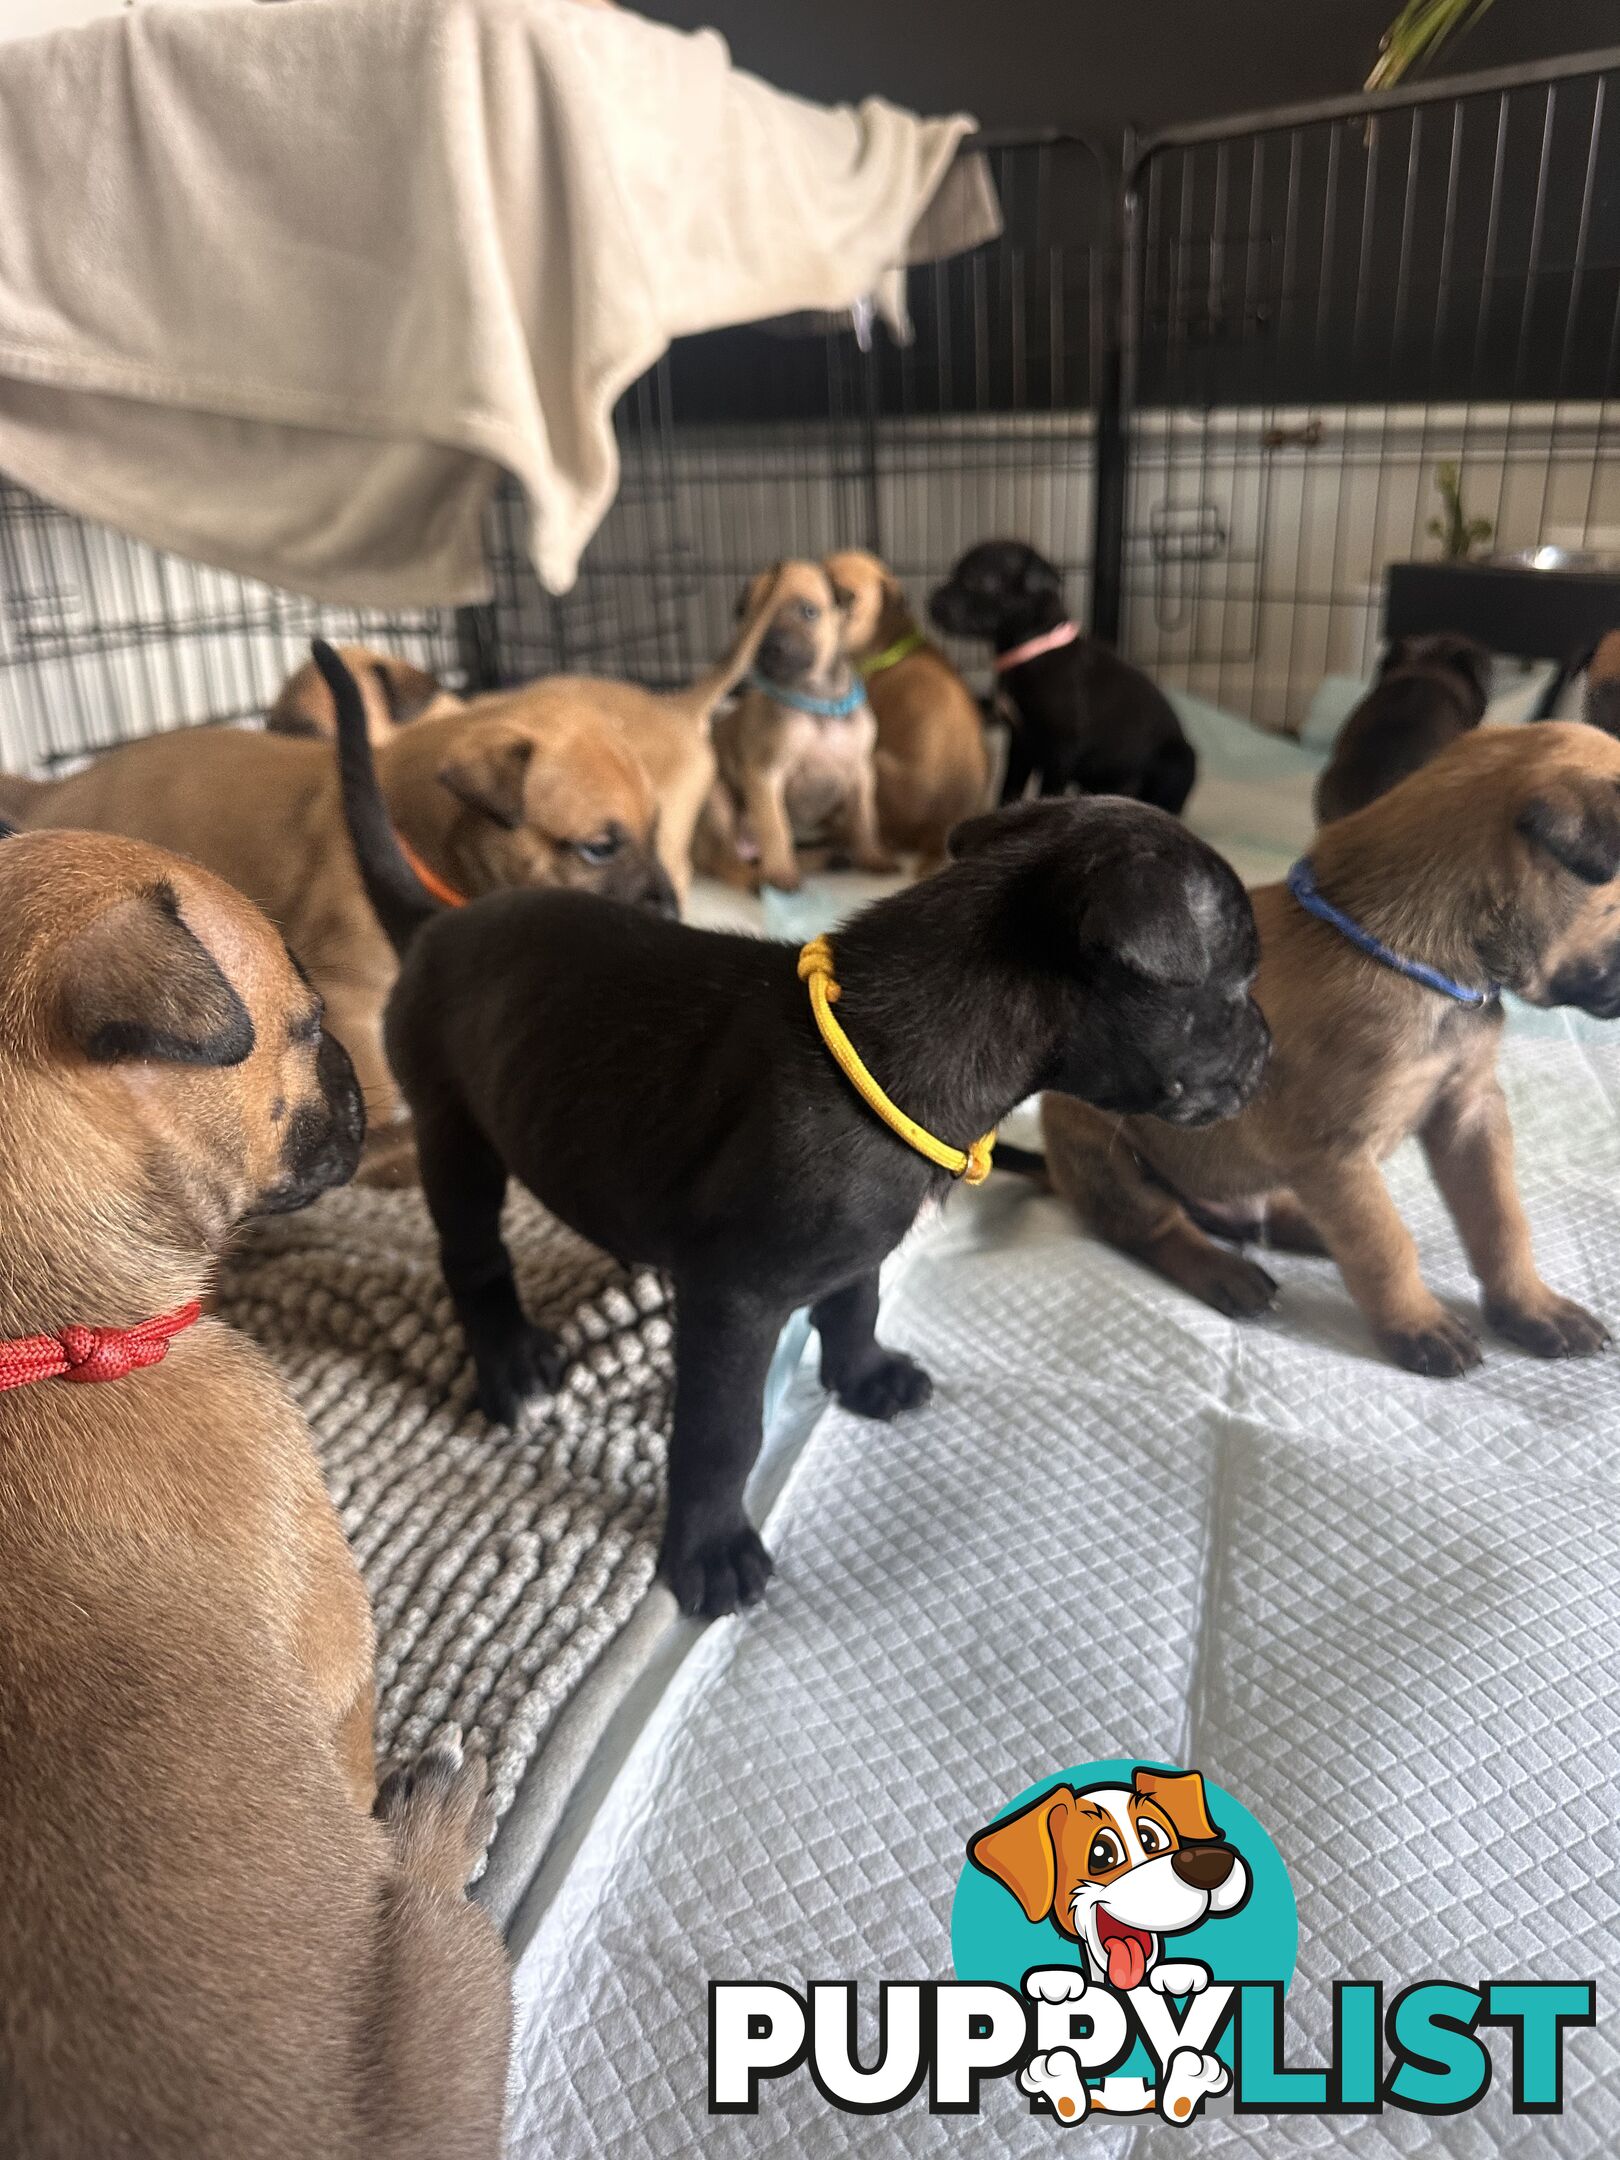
(1204, 1867)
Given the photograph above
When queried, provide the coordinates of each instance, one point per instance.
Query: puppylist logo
(1123, 1936)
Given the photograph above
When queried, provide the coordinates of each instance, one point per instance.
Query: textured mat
(1384, 1612)
(501, 1568)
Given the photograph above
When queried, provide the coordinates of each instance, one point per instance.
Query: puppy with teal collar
(795, 751)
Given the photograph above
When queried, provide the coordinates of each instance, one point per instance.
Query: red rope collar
(92, 1353)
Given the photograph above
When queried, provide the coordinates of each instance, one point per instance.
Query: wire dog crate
(1216, 383)
(1323, 311)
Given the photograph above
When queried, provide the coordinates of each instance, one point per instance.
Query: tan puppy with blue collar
(1495, 867)
(795, 751)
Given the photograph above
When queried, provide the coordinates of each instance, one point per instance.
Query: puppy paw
(1234, 1286)
(891, 1383)
(1055, 1984)
(514, 1373)
(439, 1813)
(1442, 1349)
(716, 1575)
(778, 880)
(1182, 1976)
(877, 862)
(1553, 1327)
(1057, 2079)
(1191, 2077)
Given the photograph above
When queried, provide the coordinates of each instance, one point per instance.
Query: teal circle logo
(1120, 1869)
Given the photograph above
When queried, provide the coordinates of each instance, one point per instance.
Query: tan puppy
(484, 800)
(209, 1945)
(1495, 865)
(790, 772)
(670, 731)
(394, 691)
(932, 766)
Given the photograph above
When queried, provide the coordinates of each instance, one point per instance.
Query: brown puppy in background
(1429, 691)
(209, 1945)
(395, 693)
(1495, 865)
(670, 731)
(932, 766)
(1602, 709)
(795, 751)
(483, 800)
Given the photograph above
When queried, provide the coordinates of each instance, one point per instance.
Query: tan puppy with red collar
(209, 1944)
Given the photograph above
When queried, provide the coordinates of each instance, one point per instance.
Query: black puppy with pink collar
(1082, 718)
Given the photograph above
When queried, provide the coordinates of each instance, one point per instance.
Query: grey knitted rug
(501, 1566)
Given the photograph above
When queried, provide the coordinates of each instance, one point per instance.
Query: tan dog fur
(931, 763)
(1452, 867)
(209, 1945)
(395, 693)
(487, 798)
(670, 731)
(787, 776)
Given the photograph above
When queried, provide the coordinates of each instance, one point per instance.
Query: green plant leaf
(1417, 34)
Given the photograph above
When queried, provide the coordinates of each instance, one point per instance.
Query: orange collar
(428, 878)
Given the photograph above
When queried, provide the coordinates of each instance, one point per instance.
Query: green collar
(892, 655)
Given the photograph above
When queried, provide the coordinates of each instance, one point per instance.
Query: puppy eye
(808, 610)
(600, 850)
(1105, 1853)
(1152, 1837)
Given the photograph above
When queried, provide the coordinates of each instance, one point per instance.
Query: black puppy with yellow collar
(674, 1094)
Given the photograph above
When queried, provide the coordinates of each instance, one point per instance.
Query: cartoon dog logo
(1117, 1869)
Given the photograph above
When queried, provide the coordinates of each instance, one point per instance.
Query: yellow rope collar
(908, 642)
(815, 969)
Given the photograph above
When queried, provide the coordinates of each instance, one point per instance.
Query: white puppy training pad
(1383, 1612)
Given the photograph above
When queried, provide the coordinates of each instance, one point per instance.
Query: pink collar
(1048, 641)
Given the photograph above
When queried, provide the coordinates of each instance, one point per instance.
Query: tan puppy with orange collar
(484, 799)
(210, 1945)
(931, 763)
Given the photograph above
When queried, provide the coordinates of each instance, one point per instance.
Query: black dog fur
(1429, 691)
(664, 1091)
(1082, 717)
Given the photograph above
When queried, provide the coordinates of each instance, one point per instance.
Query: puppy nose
(1206, 1867)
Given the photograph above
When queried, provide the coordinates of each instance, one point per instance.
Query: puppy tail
(398, 897)
(701, 698)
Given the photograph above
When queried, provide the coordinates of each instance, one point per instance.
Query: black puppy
(665, 1091)
(1081, 717)
(1429, 691)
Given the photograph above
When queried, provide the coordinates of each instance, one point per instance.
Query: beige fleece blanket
(284, 288)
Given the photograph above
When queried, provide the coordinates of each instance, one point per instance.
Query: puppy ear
(407, 691)
(1396, 654)
(843, 598)
(755, 590)
(1037, 575)
(1181, 1795)
(1577, 821)
(1021, 1851)
(491, 779)
(142, 987)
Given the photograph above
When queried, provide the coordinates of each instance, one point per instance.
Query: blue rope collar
(819, 708)
(1302, 884)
